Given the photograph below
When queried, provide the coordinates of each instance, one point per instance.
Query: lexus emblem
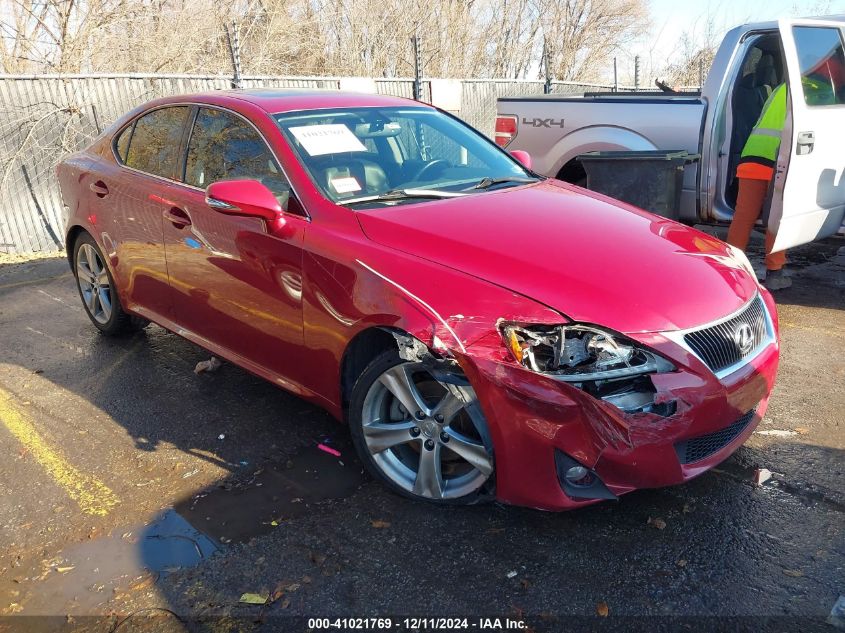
(744, 338)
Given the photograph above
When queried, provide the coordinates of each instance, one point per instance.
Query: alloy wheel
(424, 434)
(94, 285)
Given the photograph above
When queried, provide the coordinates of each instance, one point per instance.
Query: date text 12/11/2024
(418, 624)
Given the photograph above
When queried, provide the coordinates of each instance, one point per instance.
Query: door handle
(178, 217)
(806, 140)
(99, 188)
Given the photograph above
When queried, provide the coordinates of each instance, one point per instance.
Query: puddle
(87, 575)
(237, 512)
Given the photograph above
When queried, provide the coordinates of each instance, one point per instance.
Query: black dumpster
(650, 180)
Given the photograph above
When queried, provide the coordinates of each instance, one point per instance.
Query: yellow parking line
(93, 496)
(32, 282)
(811, 328)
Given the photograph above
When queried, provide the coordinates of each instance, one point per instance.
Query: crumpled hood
(581, 254)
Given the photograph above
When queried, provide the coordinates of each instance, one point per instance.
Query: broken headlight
(580, 353)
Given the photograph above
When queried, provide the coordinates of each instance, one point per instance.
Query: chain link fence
(44, 117)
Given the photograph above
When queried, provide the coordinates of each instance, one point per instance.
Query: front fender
(378, 287)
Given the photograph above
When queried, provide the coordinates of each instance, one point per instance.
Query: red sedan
(485, 332)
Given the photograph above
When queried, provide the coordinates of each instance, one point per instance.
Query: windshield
(371, 157)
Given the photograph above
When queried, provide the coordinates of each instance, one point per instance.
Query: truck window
(822, 62)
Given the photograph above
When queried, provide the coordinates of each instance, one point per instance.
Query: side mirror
(248, 198)
(522, 157)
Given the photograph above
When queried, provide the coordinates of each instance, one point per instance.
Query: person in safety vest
(755, 171)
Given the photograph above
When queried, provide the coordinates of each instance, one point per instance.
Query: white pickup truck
(808, 197)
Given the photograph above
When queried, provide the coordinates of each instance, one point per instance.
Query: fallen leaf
(143, 582)
(794, 573)
(274, 523)
(293, 587)
(657, 522)
(801, 430)
(253, 598)
(602, 609)
(379, 524)
(306, 580)
(682, 563)
(285, 603)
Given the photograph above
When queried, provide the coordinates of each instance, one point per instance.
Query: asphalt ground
(137, 495)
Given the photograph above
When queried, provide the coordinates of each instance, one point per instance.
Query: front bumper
(532, 417)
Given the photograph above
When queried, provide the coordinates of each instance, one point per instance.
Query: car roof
(277, 100)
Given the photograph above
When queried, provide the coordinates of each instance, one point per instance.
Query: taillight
(505, 129)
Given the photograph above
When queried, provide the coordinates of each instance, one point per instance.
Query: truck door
(809, 200)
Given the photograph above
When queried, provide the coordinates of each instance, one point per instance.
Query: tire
(440, 452)
(97, 290)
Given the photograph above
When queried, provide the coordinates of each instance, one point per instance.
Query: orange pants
(749, 204)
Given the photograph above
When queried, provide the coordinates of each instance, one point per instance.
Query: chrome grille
(719, 345)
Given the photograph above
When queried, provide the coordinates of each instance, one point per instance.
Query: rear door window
(822, 62)
(223, 146)
(154, 147)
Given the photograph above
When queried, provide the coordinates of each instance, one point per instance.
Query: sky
(671, 18)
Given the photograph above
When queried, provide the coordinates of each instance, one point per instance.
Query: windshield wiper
(486, 183)
(403, 194)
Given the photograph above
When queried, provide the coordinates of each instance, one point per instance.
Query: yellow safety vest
(764, 142)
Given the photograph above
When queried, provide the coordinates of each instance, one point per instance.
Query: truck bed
(555, 129)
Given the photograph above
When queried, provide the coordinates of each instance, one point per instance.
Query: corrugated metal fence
(43, 118)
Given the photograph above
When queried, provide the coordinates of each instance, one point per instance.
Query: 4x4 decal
(542, 122)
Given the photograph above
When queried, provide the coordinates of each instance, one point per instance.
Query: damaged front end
(579, 413)
(605, 364)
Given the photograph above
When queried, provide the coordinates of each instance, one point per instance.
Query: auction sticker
(345, 185)
(331, 138)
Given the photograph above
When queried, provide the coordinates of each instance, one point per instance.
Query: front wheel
(424, 436)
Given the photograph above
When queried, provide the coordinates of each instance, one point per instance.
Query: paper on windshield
(331, 138)
(345, 184)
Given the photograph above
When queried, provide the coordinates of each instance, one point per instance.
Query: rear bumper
(532, 417)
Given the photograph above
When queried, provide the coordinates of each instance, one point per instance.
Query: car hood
(589, 257)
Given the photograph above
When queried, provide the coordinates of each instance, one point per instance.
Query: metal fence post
(637, 72)
(415, 42)
(235, 50)
(547, 67)
(615, 77)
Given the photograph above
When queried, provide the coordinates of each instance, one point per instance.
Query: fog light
(575, 474)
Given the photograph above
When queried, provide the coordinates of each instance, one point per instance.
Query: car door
(148, 152)
(236, 286)
(809, 200)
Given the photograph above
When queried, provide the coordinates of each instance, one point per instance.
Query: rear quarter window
(121, 142)
(154, 146)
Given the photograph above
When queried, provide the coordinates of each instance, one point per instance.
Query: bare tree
(695, 52)
(460, 38)
(582, 36)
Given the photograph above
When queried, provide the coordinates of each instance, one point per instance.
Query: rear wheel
(424, 436)
(97, 290)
